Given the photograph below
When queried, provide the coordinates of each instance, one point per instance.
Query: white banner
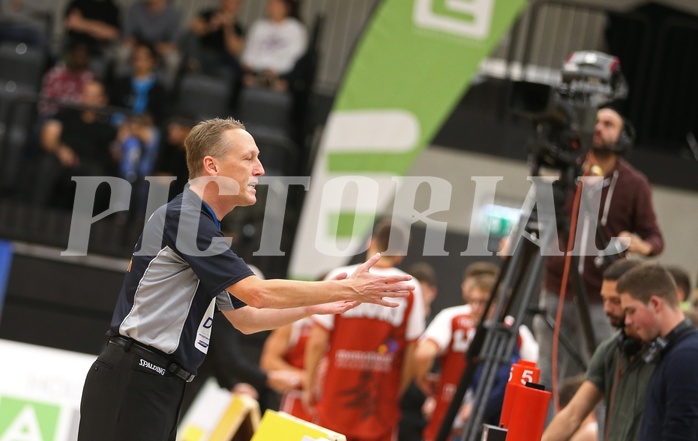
(40, 390)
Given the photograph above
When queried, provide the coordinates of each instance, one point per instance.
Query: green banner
(28, 420)
(410, 69)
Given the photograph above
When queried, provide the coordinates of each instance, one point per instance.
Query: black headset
(629, 346)
(653, 351)
(626, 139)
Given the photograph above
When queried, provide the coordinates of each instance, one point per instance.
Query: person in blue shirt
(651, 305)
(141, 91)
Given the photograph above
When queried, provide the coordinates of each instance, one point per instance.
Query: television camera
(564, 116)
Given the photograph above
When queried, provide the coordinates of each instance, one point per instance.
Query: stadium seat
(278, 152)
(16, 119)
(203, 96)
(22, 64)
(263, 107)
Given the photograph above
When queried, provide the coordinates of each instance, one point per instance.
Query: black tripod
(494, 340)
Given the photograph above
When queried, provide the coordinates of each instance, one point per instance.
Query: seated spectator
(136, 151)
(78, 143)
(172, 159)
(141, 91)
(216, 40)
(25, 20)
(274, 45)
(155, 23)
(94, 22)
(63, 83)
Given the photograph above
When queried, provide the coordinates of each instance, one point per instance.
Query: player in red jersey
(369, 355)
(448, 337)
(284, 349)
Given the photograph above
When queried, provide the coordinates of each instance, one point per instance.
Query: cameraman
(626, 210)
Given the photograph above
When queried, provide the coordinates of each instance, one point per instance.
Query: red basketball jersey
(451, 330)
(291, 401)
(360, 395)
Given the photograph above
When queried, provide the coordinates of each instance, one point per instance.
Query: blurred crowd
(120, 90)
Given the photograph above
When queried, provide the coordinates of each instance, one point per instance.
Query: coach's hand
(372, 288)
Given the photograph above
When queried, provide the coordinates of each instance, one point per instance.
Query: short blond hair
(476, 269)
(205, 139)
(484, 282)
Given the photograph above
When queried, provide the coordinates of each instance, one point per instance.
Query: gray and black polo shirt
(178, 274)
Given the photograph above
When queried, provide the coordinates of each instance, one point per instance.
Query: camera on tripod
(564, 116)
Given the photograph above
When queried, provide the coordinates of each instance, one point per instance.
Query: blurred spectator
(63, 83)
(94, 22)
(172, 158)
(692, 315)
(78, 142)
(27, 21)
(216, 41)
(274, 45)
(683, 285)
(141, 91)
(155, 23)
(139, 147)
(477, 269)
(136, 152)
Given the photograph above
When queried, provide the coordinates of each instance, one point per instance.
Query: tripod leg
(518, 283)
(566, 343)
(583, 306)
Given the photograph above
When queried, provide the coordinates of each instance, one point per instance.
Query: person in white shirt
(274, 45)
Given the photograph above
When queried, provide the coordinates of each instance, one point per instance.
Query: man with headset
(617, 374)
(626, 211)
(651, 306)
